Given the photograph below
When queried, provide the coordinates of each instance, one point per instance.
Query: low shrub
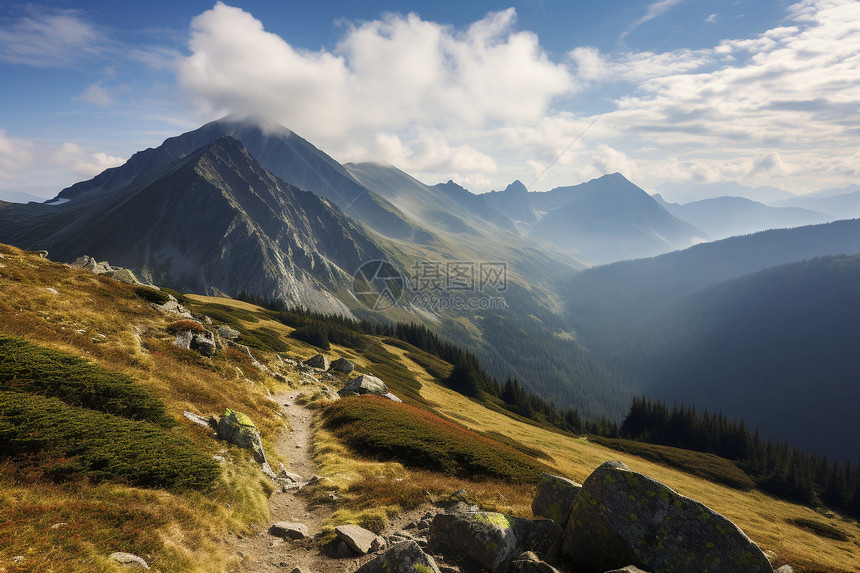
(265, 339)
(26, 367)
(389, 430)
(65, 442)
(152, 295)
(820, 529)
(708, 466)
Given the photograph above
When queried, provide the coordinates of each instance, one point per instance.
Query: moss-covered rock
(492, 539)
(554, 498)
(404, 557)
(624, 518)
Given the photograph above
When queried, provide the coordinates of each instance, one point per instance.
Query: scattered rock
(294, 478)
(628, 569)
(492, 539)
(622, 517)
(129, 560)
(196, 418)
(52, 290)
(406, 557)
(785, 569)
(319, 361)
(529, 562)
(122, 275)
(342, 365)
(366, 384)
(359, 539)
(228, 333)
(289, 530)
(87, 263)
(554, 498)
(183, 340)
(204, 343)
(59, 525)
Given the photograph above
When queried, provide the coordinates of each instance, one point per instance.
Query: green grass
(265, 339)
(391, 370)
(417, 438)
(151, 295)
(48, 436)
(707, 466)
(26, 367)
(223, 314)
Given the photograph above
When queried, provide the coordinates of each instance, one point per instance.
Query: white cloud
(655, 9)
(74, 158)
(16, 156)
(402, 76)
(48, 37)
(712, 19)
(96, 94)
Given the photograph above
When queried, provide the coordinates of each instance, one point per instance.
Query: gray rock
(406, 557)
(197, 419)
(785, 569)
(319, 361)
(123, 276)
(289, 530)
(624, 518)
(129, 560)
(204, 343)
(183, 340)
(228, 333)
(342, 365)
(492, 539)
(554, 498)
(628, 569)
(87, 263)
(359, 539)
(391, 397)
(364, 384)
(529, 562)
(238, 429)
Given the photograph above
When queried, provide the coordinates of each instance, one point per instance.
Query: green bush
(265, 339)
(66, 442)
(386, 429)
(25, 367)
(820, 529)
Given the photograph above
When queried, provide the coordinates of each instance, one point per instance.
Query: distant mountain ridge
(606, 219)
(723, 217)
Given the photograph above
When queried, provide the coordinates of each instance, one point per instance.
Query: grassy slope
(180, 531)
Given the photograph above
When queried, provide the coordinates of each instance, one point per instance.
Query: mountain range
(245, 206)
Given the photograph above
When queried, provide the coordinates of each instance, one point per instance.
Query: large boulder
(622, 518)
(342, 365)
(406, 557)
(366, 384)
(319, 361)
(492, 539)
(554, 498)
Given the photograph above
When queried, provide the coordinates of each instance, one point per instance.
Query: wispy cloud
(654, 10)
(712, 19)
(49, 37)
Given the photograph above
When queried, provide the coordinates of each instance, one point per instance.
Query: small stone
(59, 525)
(129, 560)
(785, 569)
(358, 538)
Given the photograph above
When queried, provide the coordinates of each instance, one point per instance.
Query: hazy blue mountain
(445, 207)
(214, 221)
(19, 196)
(831, 191)
(689, 192)
(838, 205)
(278, 149)
(605, 219)
(723, 217)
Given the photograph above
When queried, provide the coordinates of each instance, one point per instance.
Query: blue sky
(760, 92)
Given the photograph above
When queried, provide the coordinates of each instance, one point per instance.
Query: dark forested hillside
(777, 348)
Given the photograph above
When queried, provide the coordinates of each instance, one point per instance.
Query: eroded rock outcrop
(366, 384)
(554, 498)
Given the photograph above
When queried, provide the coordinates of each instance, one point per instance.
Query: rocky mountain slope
(212, 221)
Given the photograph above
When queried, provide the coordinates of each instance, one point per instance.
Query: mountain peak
(516, 187)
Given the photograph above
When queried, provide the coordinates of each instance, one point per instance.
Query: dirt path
(261, 552)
